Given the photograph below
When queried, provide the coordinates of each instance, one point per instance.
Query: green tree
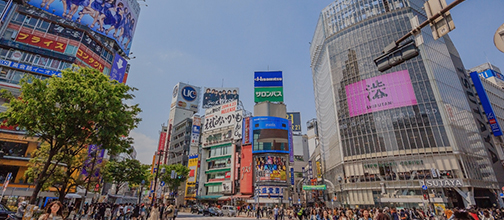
(126, 171)
(67, 173)
(81, 108)
(181, 171)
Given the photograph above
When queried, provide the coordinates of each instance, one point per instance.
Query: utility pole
(156, 178)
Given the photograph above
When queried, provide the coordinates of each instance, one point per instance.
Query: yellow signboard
(191, 179)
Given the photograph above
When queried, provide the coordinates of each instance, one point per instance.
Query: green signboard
(317, 187)
(272, 94)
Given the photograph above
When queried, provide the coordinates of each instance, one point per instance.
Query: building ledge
(218, 158)
(218, 170)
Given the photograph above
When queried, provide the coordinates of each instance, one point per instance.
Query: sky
(214, 43)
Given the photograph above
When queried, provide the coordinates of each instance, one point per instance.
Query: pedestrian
(175, 212)
(486, 216)
(365, 215)
(170, 211)
(154, 213)
(136, 212)
(53, 211)
(108, 213)
(258, 212)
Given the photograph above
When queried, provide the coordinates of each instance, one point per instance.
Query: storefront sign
(227, 187)
(246, 131)
(316, 187)
(442, 183)
(42, 42)
(30, 68)
(271, 191)
(88, 59)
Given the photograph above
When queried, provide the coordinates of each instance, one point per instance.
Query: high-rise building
(385, 135)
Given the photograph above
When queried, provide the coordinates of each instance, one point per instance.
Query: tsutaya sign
(442, 183)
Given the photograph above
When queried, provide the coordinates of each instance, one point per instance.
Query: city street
(201, 217)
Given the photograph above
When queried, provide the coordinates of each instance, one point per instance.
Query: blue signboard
(118, 68)
(485, 102)
(491, 73)
(268, 79)
(29, 68)
(262, 129)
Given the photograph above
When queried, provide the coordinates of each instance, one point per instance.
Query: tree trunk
(40, 182)
(62, 193)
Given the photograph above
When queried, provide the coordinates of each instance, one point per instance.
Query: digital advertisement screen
(379, 93)
(270, 135)
(270, 168)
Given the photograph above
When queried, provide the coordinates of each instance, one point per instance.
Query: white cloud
(145, 146)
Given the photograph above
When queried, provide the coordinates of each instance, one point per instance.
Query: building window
(19, 18)
(43, 25)
(219, 163)
(30, 22)
(16, 77)
(219, 151)
(71, 50)
(214, 189)
(13, 149)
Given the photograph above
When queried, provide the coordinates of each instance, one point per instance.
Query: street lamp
(156, 178)
(140, 192)
(340, 179)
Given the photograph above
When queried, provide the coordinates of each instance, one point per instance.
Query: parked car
(4, 212)
(212, 211)
(229, 211)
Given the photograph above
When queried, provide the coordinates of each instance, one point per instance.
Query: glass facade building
(384, 135)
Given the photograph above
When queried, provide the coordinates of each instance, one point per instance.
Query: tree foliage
(181, 171)
(126, 171)
(81, 108)
(67, 173)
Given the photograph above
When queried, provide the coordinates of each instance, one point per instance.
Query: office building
(385, 135)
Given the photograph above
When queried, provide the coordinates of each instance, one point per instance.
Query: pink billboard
(379, 93)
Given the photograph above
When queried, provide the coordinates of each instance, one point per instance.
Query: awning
(241, 196)
(208, 197)
(224, 198)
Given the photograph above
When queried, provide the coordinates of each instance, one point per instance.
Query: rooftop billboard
(218, 96)
(115, 19)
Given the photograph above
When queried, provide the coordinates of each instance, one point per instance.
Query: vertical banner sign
(485, 102)
(196, 130)
(162, 141)
(319, 169)
(295, 118)
(304, 173)
(292, 175)
(246, 180)
(291, 147)
(237, 166)
(246, 131)
(118, 68)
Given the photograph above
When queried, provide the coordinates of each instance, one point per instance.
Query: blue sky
(202, 42)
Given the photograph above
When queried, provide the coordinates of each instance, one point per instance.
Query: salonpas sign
(316, 187)
(272, 94)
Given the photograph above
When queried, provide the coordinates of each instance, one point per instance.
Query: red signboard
(246, 130)
(237, 166)
(162, 140)
(35, 40)
(88, 59)
(246, 179)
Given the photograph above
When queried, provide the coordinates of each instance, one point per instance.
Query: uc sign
(189, 93)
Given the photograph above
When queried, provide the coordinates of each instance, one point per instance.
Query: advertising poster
(271, 94)
(193, 168)
(186, 96)
(319, 169)
(295, 119)
(227, 187)
(379, 93)
(246, 178)
(115, 19)
(223, 116)
(270, 168)
(218, 96)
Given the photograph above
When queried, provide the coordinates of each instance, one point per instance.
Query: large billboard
(223, 116)
(246, 177)
(218, 96)
(379, 93)
(270, 135)
(268, 79)
(485, 102)
(115, 19)
(295, 118)
(271, 94)
(185, 96)
(270, 168)
(271, 191)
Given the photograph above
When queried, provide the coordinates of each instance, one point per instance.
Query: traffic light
(425, 196)
(394, 55)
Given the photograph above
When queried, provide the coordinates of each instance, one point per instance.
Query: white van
(229, 211)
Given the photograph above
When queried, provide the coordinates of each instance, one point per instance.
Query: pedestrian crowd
(298, 212)
(106, 211)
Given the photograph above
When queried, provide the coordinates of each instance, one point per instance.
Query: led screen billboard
(270, 135)
(218, 96)
(270, 168)
(379, 93)
(295, 118)
(115, 19)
